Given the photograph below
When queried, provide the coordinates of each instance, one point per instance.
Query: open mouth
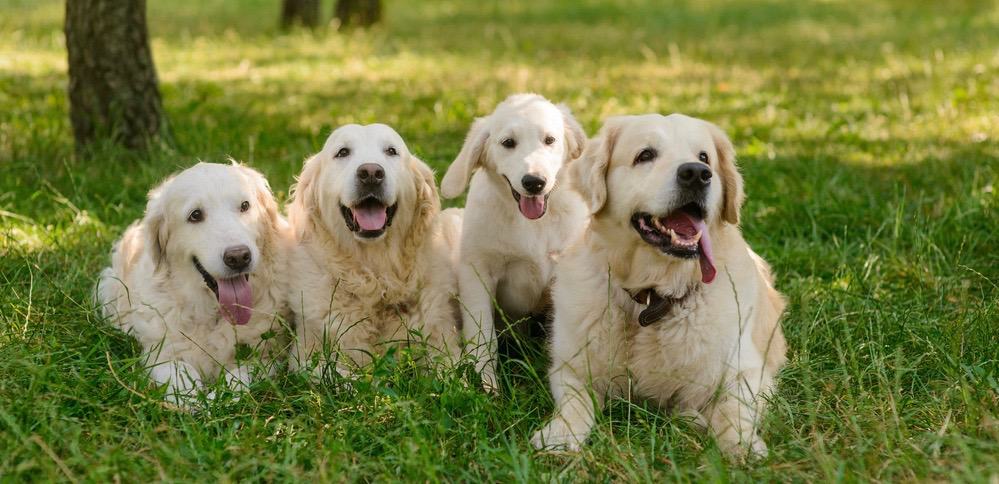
(369, 217)
(681, 233)
(235, 296)
(533, 207)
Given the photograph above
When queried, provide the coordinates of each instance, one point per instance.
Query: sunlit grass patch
(868, 134)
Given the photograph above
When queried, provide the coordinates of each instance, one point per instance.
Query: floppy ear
(589, 173)
(265, 198)
(732, 191)
(575, 137)
(155, 227)
(304, 196)
(426, 184)
(469, 158)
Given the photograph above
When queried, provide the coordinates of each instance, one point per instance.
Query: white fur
(153, 291)
(505, 256)
(352, 296)
(718, 351)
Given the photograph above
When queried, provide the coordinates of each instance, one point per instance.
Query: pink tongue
(532, 207)
(236, 299)
(706, 258)
(370, 218)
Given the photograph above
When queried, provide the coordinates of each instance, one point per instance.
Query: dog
(661, 297)
(201, 272)
(373, 258)
(519, 215)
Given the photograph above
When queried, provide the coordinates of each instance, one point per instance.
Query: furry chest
(682, 348)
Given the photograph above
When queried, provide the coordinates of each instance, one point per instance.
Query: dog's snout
(693, 175)
(370, 174)
(533, 184)
(237, 258)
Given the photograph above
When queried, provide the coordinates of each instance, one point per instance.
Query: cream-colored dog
(519, 214)
(374, 256)
(201, 272)
(662, 298)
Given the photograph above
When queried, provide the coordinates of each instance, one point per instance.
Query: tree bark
(304, 12)
(113, 90)
(358, 13)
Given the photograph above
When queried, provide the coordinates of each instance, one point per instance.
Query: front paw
(489, 382)
(753, 449)
(557, 436)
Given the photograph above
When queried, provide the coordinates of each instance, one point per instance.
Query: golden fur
(351, 297)
(153, 292)
(719, 347)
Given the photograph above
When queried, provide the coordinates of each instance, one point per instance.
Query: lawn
(868, 134)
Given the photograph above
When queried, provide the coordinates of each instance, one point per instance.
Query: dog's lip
(517, 195)
(651, 229)
(680, 233)
(351, 222)
(212, 281)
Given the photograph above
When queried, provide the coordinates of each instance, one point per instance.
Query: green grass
(868, 134)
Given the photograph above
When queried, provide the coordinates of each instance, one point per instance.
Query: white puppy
(201, 272)
(374, 255)
(519, 214)
(662, 297)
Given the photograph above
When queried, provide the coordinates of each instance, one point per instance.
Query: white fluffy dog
(374, 255)
(662, 298)
(519, 214)
(201, 272)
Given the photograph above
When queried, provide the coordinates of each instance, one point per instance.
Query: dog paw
(556, 436)
(743, 451)
(490, 387)
(489, 382)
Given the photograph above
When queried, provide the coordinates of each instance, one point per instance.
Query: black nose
(533, 184)
(237, 258)
(370, 174)
(693, 175)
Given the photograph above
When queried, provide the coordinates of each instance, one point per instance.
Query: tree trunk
(305, 12)
(358, 13)
(112, 79)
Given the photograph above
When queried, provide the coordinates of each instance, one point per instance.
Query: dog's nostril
(693, 175)
(370, 173)
(237, 258)
(533, 184)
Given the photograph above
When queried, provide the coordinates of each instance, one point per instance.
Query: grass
(868, 134)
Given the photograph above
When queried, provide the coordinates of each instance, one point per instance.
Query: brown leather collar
(658, 306)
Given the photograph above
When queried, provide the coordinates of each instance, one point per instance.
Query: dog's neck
(390, 258)
(636, 266)
(657, 306)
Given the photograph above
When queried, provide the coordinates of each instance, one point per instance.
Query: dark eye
(648, 154)
(196, 216)
(244, 206)
(703, 157)
(391, 151)
(509, 143)
(343, 153)
(549, 140)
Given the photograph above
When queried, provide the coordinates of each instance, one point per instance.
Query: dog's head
(362, 181)
(663, 179)
(207, 226)
(525, 142)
